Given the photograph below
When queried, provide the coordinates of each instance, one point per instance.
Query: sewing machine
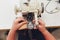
(29, 10)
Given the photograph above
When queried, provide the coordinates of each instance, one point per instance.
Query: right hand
(17, 25)
(41, 25)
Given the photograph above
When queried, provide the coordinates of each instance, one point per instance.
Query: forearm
(11, 35)
(47, 35)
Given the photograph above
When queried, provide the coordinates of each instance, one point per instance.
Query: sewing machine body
(29, 6)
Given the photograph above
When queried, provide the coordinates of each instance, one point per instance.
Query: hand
(41, 25)
(17, 24)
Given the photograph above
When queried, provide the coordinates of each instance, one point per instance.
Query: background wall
(7, 14)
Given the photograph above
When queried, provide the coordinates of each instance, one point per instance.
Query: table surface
(7, 14)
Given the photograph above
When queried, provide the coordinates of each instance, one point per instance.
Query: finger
(21, 24)
(41, 22)
(19, 19)
(39, 27)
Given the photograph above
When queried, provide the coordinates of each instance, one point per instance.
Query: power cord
(52, 11)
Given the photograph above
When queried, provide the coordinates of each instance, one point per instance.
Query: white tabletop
(7, 15)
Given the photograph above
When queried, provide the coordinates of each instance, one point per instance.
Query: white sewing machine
(29, 8)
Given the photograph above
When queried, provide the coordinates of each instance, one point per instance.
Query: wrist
(13, 30)
(43, 30)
